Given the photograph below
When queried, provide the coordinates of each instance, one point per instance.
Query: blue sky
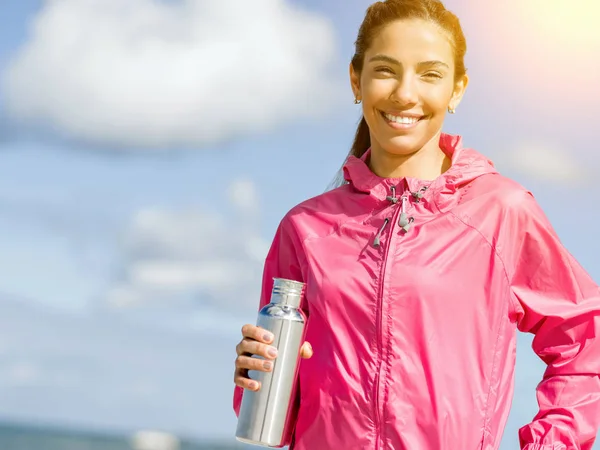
(120, 216)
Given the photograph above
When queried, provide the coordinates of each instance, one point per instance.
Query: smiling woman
(406, 91)
(419, 270)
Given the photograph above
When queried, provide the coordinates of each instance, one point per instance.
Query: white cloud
(153, 73)
(545, 162)
(182, 257)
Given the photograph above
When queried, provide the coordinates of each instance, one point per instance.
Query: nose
(405, 91)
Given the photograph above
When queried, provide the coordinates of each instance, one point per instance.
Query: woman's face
(406, 85)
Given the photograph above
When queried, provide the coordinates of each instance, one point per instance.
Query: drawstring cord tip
(405, 222)
(377, 240)
(392, 198)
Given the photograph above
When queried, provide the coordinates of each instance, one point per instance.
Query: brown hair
(382, 13)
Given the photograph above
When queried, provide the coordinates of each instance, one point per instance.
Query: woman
(421, 267)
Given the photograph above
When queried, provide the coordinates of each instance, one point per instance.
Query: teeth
(403, 120)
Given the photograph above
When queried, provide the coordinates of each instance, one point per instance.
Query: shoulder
(494, 187)
(496, 193)
(499, 208)
(318, 215)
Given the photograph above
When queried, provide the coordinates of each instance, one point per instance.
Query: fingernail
(272, 352)
(267, 337)
(267, 365)
(253, 385)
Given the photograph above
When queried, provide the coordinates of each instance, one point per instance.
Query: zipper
(397, 212)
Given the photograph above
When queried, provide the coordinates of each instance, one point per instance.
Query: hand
(256, 341)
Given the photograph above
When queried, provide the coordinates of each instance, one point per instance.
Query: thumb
(306, 351)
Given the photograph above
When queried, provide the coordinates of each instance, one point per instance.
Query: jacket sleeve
(283, 261)
(557, 301)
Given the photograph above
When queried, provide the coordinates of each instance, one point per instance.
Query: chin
(403, 145)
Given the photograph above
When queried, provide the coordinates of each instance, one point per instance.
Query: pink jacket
(415, 291)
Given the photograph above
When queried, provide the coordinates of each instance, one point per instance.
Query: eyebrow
(391, 60)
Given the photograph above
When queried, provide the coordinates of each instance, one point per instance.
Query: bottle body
(265, 415)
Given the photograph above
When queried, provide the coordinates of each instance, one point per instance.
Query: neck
(428, 163)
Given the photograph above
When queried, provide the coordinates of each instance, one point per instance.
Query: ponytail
(362, 139)
(362, 142)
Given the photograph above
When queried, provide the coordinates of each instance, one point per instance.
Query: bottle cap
(288, 292)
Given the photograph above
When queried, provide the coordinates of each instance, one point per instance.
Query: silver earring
(451, 110)
(357, 101)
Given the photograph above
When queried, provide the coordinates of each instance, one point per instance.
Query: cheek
(437, 98)
(377, 90)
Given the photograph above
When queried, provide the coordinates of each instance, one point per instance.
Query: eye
(384, 69)
(434, 75)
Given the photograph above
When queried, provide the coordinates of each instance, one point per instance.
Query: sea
(22, 437)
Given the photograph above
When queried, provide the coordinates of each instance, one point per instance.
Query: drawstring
(419, 194)
(405, 222)
(392, 198)
(376, 241)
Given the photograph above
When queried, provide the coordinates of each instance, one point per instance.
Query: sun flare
(569, 22)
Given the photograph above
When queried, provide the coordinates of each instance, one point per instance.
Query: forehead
(413, 40)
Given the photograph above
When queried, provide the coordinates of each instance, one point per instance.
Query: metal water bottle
(265, 415)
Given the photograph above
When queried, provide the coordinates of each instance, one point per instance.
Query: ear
(354, 81)
(459, 90)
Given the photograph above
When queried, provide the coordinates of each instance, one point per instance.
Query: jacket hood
(466, 165)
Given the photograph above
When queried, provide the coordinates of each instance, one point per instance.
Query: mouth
(402, 121)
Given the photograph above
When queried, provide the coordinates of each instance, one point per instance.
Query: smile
(402, 121)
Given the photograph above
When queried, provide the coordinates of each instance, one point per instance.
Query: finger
(249, 363)
(246, 383)
(251, 347)
(257, 333)
(238, 349)
(306, 351)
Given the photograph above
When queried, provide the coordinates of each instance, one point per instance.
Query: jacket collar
(467, 164)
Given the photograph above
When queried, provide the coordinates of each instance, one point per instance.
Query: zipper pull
(376, 241)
